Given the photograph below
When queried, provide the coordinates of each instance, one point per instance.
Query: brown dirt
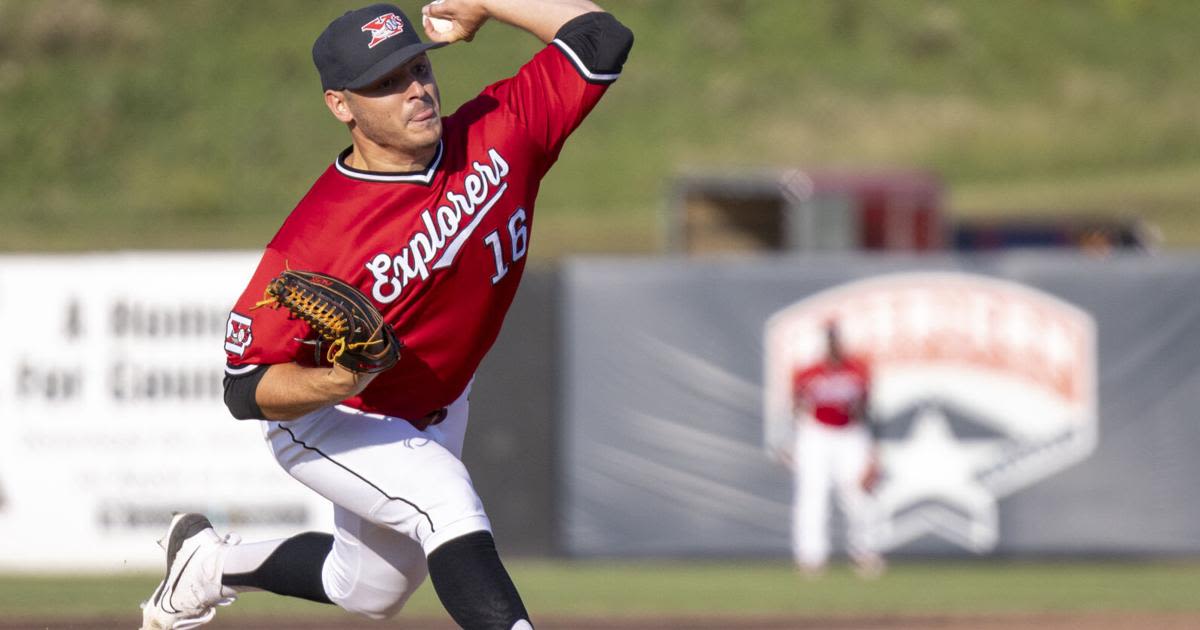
(1046, 621)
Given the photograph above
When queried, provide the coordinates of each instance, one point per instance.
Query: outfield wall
(630, 405)
(1031, 404)
(111, 414)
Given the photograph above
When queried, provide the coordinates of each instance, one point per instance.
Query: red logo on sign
(383, 27)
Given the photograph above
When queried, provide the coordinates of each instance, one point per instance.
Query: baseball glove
(341, 315)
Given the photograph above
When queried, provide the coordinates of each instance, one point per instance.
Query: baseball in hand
(440, 25)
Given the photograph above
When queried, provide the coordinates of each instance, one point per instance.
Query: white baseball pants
(829, 460)
(397, 493)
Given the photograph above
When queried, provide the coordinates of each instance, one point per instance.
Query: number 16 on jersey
(518, 241)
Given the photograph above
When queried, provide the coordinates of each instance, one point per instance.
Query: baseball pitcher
(356, 340)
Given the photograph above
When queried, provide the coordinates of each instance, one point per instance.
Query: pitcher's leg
(402, 480)
(287, 566)
(384, 470)
(372, 570)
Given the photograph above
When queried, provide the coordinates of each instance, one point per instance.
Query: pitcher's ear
(335, 100)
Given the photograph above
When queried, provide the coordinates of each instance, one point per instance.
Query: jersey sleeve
(551, 94)
(256, 336)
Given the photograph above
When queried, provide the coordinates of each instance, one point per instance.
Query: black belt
(430, 419)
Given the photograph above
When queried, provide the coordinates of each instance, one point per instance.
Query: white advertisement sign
(111, 412)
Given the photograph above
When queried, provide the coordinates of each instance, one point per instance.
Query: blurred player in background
(834, 453)
(430, 217)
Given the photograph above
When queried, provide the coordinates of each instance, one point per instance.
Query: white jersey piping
(419, 178)
(578, 63)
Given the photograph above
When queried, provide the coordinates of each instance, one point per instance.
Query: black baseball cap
(365, 45)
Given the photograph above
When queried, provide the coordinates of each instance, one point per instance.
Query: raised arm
(542, 18)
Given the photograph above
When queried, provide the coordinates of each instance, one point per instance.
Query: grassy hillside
(199, 123)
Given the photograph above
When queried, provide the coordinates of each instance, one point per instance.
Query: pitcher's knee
(453, 515)
(379, 596)
(375, 604)
(378, 611)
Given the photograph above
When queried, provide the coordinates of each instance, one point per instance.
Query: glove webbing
(328, 321)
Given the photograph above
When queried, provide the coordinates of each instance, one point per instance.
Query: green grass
(198, 124)
(714, 588)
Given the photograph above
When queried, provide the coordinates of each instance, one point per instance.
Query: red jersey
(440, 252)
(835, 393)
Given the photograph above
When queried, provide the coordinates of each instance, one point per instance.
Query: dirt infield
(1055, 621)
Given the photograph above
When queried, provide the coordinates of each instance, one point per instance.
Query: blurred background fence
(754, 155)
(627, 408)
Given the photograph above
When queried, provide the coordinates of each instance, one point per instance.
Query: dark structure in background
(1096, 235)
(799, 211)
(512, 441)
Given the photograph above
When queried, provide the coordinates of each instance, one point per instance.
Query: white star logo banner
(983, 387)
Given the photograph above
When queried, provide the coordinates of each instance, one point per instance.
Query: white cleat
(191, 590)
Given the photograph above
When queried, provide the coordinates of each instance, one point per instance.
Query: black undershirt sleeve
(240, 390)
(599, 40)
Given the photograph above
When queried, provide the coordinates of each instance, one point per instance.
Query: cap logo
(383, 27)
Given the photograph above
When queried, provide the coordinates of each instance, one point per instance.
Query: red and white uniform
(835, 392)
(440, 252)
(831, 454)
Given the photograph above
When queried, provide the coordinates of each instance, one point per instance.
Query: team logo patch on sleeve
(383, 27)
(238, 334)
